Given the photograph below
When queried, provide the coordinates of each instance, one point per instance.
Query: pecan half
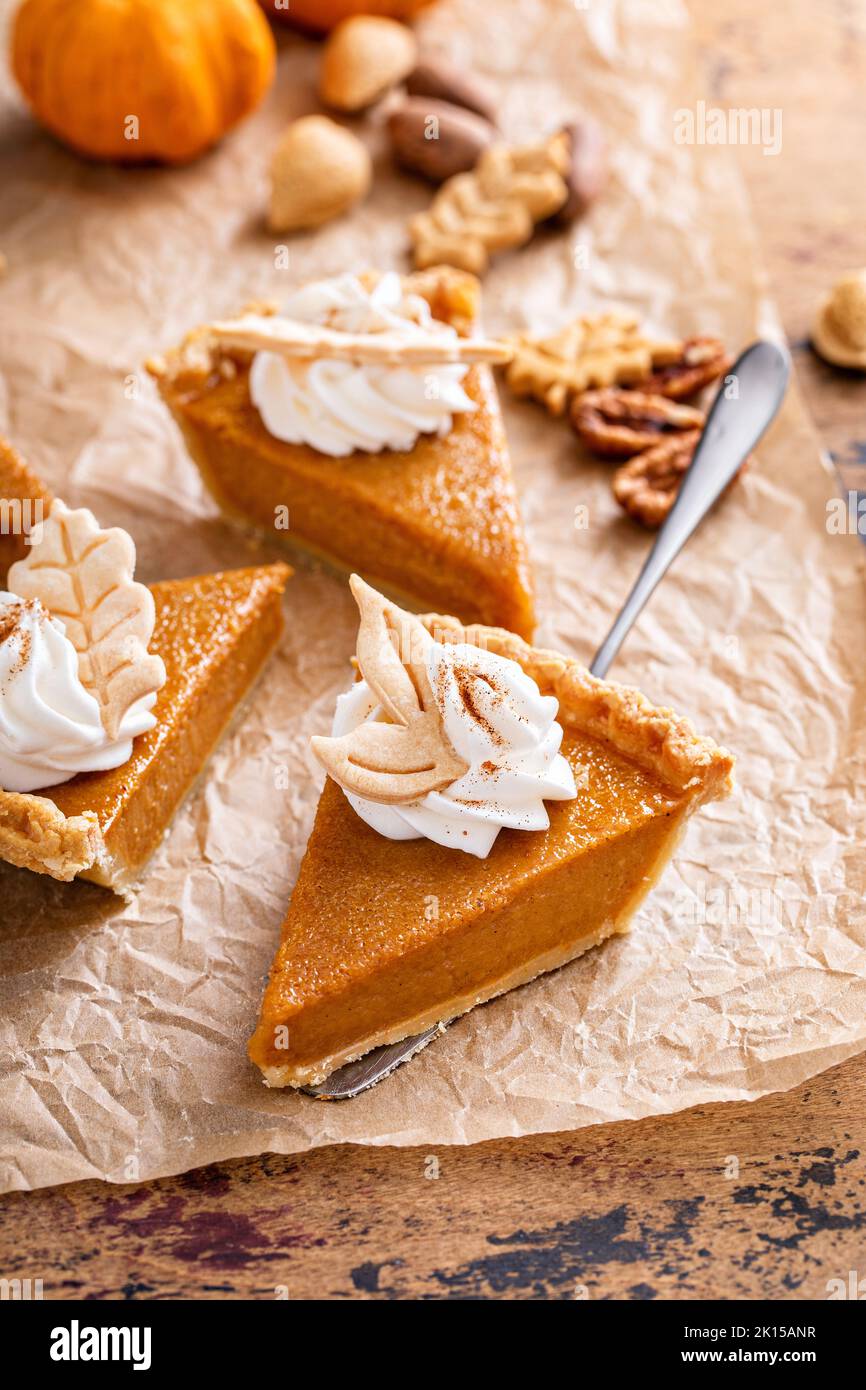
(702, 360)
(646, 487)
(617, 423)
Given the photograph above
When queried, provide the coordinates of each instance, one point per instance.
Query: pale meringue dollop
(340, 407)
(501, 725)
(50, 725)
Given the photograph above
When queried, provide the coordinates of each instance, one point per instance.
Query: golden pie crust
(385, 938)
(439, 525)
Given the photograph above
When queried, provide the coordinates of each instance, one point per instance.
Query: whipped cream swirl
(50, 725)
(501, 725)
(341, 407)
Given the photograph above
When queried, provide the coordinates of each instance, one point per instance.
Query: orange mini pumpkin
(137, 80)
(320, 16)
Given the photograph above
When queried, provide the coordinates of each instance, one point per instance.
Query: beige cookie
(840, 328)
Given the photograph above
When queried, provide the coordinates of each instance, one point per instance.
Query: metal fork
(745, 404)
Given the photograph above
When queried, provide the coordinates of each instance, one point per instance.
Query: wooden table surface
(763, 1200)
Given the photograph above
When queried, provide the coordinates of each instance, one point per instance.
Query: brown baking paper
(124, 1025)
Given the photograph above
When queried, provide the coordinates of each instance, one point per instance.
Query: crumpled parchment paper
(124, 1025)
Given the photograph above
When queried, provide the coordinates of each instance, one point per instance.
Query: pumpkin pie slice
(385, 937)
(209, 639)
(433, 515)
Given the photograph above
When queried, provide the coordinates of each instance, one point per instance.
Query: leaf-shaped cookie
(591, 352)
(256, 333)
(84, 576)
(400, 762)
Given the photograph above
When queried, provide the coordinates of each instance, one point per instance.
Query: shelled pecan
(647, 486)
(701, 361)
(618, 423)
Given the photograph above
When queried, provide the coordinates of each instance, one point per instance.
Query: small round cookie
(839, 334)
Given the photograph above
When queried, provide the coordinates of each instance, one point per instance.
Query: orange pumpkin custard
(112, 695)
(396, 466)
(492, 811)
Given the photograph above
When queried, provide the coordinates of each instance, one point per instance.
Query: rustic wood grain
(749, 1200)
(735, 1201)
(809, 202)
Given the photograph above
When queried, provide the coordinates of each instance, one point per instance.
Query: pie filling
(383, 939)
(491, 811)
(214, 634)
(439, 525)
(434, 515)
(114, 695)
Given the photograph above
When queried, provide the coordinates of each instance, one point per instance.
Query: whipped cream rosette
(380, 372)
(77, 683)
(449, 742)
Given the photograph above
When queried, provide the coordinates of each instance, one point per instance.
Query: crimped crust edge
(36, 835)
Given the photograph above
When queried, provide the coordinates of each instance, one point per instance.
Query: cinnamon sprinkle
(12, 629)
(465, 677)
(10, 617)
